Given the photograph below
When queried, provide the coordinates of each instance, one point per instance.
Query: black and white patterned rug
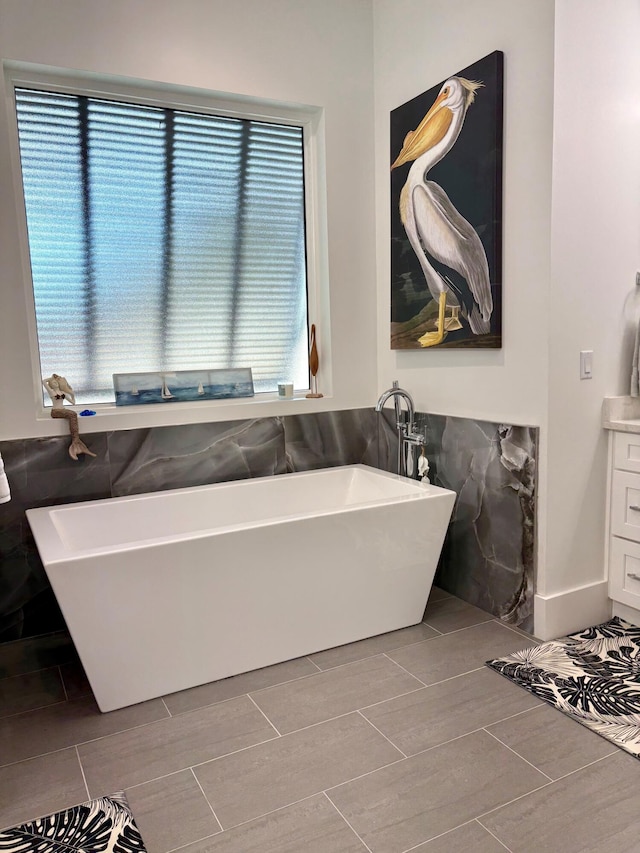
(105, 825)
(592, 676)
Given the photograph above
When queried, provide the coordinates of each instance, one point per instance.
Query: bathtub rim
(53, 549)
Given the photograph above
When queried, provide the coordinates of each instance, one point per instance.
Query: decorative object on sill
(59, 390)
(446, 212)
(314, 364)
(591, 676)
(5, 491)
(103, 824)
(285, 390)
(137, 389)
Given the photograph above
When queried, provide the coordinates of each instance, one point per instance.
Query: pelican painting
(446, 288)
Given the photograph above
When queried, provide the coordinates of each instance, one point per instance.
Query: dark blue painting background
(471, 175)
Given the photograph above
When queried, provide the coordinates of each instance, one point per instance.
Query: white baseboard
(630, 614)
(565, 612)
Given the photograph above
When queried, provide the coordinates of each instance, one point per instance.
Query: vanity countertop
(621, 414)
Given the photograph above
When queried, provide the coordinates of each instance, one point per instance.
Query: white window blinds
(162, 239)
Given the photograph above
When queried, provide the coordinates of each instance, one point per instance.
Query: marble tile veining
(146, 460)
(327, 439)
(487, 558)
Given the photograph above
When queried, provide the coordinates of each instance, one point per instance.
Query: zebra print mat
(592, 676)
(105, 825)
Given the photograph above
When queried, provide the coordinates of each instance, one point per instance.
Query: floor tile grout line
(256, 817)
(251, 699)
(84, 778)
(405, 669)
(119, 731)
(357, 834)
(280, 684)
(512, 716)
(40, 755)
(197, 841)
(464, 627)
(64, 686)
(376, 654)
(246, 692)
(333, 787)
(401, 758)
(495, 737)
(440, 835)
(338, 717)
(364, 775)
(443, 680)
(84, 742)
(511, 802)
(520, 633)
(267, 740)
(340, 666)
(32, 710)
(373, 725)
(162, 776)
(251, 746)
(308, 657)
(159, 778)
(213, 811)
(34, 671)
(446, 742)
(491, 619)
(618, 750)
(494, 836)
(195, 710)
(273, 811)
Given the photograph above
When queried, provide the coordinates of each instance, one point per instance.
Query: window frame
(309, 118)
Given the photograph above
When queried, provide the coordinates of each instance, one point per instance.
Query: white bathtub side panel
(152, 621)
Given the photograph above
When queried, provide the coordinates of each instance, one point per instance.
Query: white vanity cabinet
(624, 519)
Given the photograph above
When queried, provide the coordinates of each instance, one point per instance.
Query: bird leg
(453, 322)
(431, 339)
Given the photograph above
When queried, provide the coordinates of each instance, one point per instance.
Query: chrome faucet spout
(398, 394)
(408, 439)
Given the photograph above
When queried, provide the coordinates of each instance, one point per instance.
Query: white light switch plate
(586, 364)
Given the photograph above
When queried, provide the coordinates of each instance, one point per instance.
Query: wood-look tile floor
(403, 742)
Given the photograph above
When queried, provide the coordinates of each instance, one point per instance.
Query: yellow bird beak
(429, 132)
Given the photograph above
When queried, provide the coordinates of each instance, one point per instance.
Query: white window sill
(111, 417)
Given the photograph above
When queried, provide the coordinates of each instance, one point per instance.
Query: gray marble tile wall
(488, 555)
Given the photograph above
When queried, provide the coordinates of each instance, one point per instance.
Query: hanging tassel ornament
(423, 467)
(314, 364)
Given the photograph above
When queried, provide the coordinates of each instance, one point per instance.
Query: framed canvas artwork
(136, 389)
(446, 212)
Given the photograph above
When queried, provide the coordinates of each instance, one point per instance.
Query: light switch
(586, 364)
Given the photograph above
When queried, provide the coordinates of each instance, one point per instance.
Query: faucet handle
(413, 437)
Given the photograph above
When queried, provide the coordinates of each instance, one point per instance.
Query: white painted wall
(571, 240)
(594, 255)
(296, 51)
(419, 43)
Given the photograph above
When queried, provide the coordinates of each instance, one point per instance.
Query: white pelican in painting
(450, 252)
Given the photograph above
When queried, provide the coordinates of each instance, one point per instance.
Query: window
(163, 237)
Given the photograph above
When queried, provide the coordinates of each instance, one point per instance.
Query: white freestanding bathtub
(168, 590)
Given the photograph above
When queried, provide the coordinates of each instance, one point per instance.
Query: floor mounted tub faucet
(408, 439)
